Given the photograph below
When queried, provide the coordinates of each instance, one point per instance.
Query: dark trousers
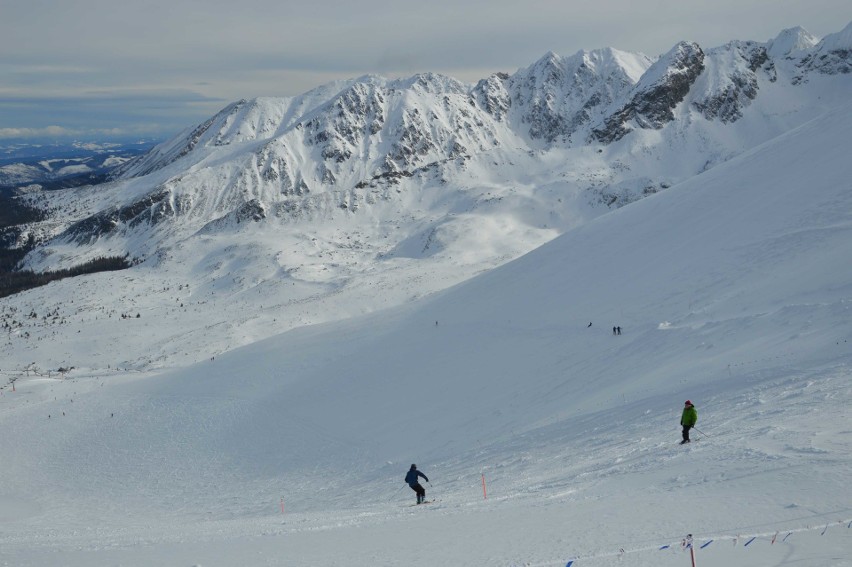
(421, 492)
(686, 429)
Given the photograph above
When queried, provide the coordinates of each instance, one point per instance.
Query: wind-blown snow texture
(732, 288)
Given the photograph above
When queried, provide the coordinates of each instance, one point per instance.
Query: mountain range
(370, 192)
(33, 167)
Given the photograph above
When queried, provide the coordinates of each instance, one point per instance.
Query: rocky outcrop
(492, 95)
(352, 117)
(153, 208)
(735, 82)
(832, 56)
(557, 96)
(654, 99)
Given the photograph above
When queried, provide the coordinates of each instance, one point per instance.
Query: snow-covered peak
(549, 69)
(677, 61)
(831, 56)
(557, 96)
(549, 59)
(840, 41)
(653, 99)
(433, 83)
(256, 119)
(600, 62)
(241, 121)
(790, 42)
(608, 61)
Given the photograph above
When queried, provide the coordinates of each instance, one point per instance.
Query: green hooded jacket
(689, 417)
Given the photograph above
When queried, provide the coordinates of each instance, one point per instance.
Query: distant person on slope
(688, 419)
(412, 479)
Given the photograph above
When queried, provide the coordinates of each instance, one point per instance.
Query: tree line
(16, 282)
(13, 212)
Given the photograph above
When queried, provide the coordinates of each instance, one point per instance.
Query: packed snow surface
(547, 438)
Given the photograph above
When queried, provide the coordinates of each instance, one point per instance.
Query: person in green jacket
(688, 419)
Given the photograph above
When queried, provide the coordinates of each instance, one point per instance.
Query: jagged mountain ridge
(350, 192)
(351, 134)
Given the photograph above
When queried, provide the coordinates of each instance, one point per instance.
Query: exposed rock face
(737, 85)
(831, 56)
(355, 115)
(251, 211)
(558, 96)
(654, 99)
(829, 62)
(492, 95)
(152, 208)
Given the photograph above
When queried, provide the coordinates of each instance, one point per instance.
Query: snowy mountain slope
(716, 284)
(732, 289)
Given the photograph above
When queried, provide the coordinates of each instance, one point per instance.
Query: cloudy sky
(100, 68)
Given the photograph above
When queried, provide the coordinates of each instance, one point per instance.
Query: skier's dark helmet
(413, 467)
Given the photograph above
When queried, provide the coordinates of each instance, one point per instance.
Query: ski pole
(699, 431)
(395, 492)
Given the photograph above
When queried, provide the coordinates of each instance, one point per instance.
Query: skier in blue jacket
(412, 479)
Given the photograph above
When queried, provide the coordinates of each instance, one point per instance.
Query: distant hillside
(59, 166)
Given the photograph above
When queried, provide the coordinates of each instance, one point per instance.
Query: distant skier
(688, 419)
(590, 324)
(613, 330)
(618, 329)
(412, 479)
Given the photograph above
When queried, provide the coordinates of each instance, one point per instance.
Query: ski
(424, 502)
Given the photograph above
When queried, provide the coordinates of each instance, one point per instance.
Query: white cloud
(34, 132)
(61, 132)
